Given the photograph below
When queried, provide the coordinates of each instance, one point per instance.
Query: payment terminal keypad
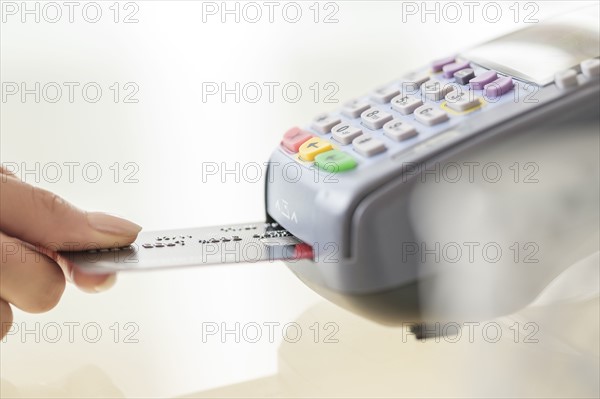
(400, 115)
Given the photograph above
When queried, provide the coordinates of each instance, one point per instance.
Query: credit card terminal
(457, 192)
(417, 235)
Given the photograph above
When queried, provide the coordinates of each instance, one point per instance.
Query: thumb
(42, 218)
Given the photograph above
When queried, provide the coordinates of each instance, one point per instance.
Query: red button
(303, 251)
(294, 138)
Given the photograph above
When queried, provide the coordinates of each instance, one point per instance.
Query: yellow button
(313, 147)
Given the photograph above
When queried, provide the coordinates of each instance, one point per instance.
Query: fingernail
(106, 284)
(110, 224)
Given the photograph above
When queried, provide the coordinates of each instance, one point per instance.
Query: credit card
(248, 243)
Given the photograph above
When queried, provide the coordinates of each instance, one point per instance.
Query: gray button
(428, 115)
(345, 133)
(565, 79)
(461, 100)
(463, 76)
(368, 146)
(374, 118)
(435, 90)
(383, 95)
(354, 108)
(324, 123)
(413, 81)
(406, 105)
(590, 68)
(399, 130)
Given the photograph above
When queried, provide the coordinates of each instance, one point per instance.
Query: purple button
(450, 69)
(437, 65)
(478, 82)
(498, 87)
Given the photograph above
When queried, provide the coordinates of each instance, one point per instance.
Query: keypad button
(324, 123)
(428, 115)
(399, 130)
(312, 147)
(461, 100)
(437, 65)
(354, 108)
(374, 118)
(565, 79)
(498, 87)
(294, 138)
(345, 133)
(478, 82)
(335, 161)
(413, 81)
(590, 68)
(435, 90)
(406, 105)
(451, 69)
(367, 146)
(383, 95)
(463, 76)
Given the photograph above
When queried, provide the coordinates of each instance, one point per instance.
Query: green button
(335, 161)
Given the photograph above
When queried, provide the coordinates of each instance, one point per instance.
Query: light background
(168, 134)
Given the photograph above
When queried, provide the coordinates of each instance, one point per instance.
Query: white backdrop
(158, 146)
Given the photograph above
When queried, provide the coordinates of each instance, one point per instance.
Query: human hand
(34, 224)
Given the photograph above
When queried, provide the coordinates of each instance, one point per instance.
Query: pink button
(478, 82)
(450, 69)
(294, 138)
(498, 87)
(437, 65)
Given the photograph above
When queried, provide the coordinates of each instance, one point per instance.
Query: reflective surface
(550, 349)
(563, 43)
